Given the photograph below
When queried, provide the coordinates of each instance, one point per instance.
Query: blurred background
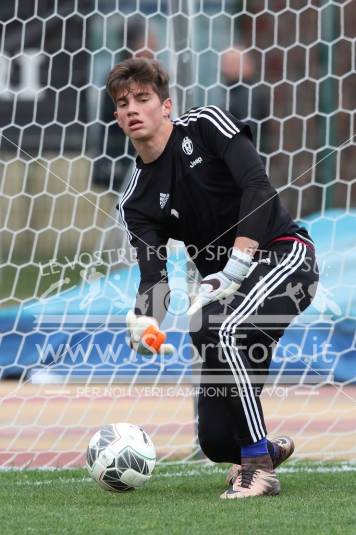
(285, 66)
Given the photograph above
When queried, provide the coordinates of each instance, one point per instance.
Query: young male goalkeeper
(199, 179)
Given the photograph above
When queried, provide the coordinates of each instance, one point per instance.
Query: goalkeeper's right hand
(145, 336)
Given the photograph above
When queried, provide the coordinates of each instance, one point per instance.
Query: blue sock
(256, 449)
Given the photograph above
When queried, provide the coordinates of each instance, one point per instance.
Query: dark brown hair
(142, 71)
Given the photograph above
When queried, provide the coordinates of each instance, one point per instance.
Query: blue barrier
(81, 331)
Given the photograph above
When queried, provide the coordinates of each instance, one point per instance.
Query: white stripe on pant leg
(261, 289)
(248, 309)
(261, 283)
(254, 426)
(238, 382)
(245, 402)
(277, 271)
(244, 378)
(231, 328)
(273, 283)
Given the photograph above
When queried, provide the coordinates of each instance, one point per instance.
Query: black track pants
(236, 338)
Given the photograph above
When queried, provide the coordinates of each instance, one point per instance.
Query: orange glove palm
(145, 335)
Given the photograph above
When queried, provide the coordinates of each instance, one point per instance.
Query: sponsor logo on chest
(195, 162)
(188, 148)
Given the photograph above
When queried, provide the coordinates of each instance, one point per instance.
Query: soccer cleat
(256, 477)
(232, 474)
(285, 450)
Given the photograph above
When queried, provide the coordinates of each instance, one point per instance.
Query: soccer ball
(121, 457)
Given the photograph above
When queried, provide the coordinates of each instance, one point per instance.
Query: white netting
(288, 67)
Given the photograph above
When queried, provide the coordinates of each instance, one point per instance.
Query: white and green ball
(121, 457)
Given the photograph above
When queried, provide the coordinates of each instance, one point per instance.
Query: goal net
(67, 273)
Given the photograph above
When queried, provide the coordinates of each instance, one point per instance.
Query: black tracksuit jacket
(206, 188)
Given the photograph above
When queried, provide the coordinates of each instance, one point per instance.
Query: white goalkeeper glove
(145, 335)
(223, 283)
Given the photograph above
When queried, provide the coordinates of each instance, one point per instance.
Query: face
(140, 113)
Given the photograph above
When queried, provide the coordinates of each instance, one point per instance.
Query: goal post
(67, 272)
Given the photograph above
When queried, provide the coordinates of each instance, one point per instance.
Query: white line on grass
(208, 469)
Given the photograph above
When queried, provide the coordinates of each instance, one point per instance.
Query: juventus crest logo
(163, 198)
(187, 146)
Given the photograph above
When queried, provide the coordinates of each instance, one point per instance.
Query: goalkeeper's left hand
(145, 335)
(223, 283)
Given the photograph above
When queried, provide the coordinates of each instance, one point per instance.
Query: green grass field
(180, 499)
